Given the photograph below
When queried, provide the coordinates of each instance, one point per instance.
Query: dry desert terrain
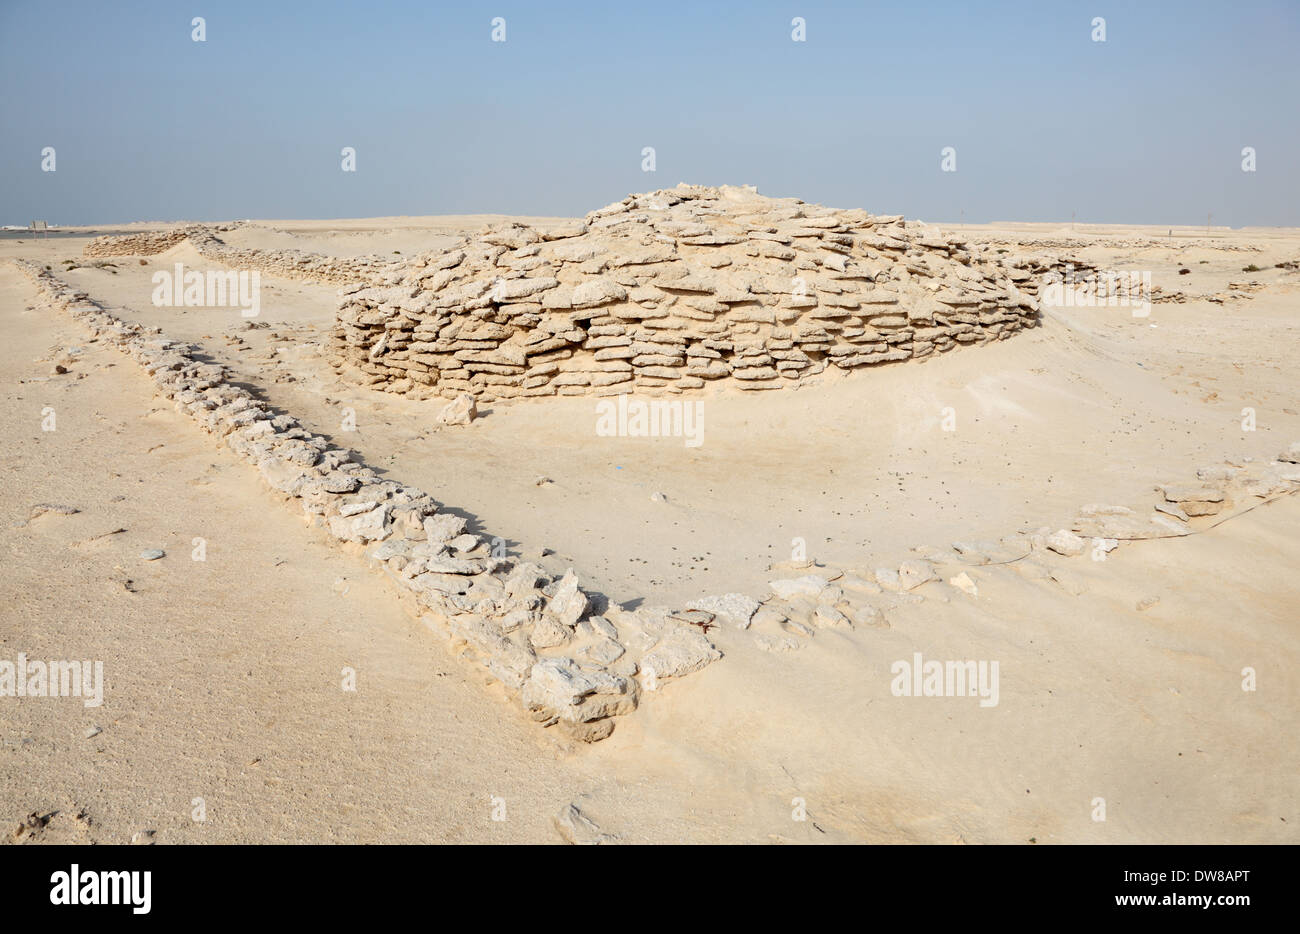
(926, 506)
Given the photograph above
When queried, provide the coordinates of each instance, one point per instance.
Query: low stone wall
(1109, 241)
(667, 291)
(140, 244)
(289, 264)
(540, 638)
(816, 598)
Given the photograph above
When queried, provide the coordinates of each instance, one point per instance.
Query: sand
(223, 676)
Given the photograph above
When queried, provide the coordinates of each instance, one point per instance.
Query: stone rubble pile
(542, 639)
(668, 291)
(289, 264)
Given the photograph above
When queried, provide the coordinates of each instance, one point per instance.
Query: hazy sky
(1146, 127)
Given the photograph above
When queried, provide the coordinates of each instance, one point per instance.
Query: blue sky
(1147, 127)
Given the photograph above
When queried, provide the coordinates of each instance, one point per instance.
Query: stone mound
(669, 290)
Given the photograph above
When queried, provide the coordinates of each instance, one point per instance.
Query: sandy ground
(224, 675)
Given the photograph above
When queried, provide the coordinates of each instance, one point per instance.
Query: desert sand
(1121, 669)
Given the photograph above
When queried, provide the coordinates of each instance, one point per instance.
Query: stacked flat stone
(537, 636)
(139, 244)
(288, 264)
(1109, 242)
(668, 291)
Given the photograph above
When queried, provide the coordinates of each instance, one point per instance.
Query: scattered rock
(459, 411)
(679, 653)
(964, 583)
(914, 573)
(1065, 542)
(694, 617)
(549, 633)
(1183, 494)
(340, 483)
(831, 595)
(568, 603)
(868, 616)
(888, 579)
(809, 586)
(152, 554)
(41, 509)
(555, 684)
(604, 652)
(370, 526)
(1172, 509)
(827, 617)
(1169, 525)
(464, 542)
(856, 584)
(578, 829)
(1216, 473)
(735, 608)
(443, 528)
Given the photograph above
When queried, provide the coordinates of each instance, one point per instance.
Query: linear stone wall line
(541, 638)
(289, 264)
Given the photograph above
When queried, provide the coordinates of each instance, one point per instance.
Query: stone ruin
(289, 264)
(567, 656)
(667, 291)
